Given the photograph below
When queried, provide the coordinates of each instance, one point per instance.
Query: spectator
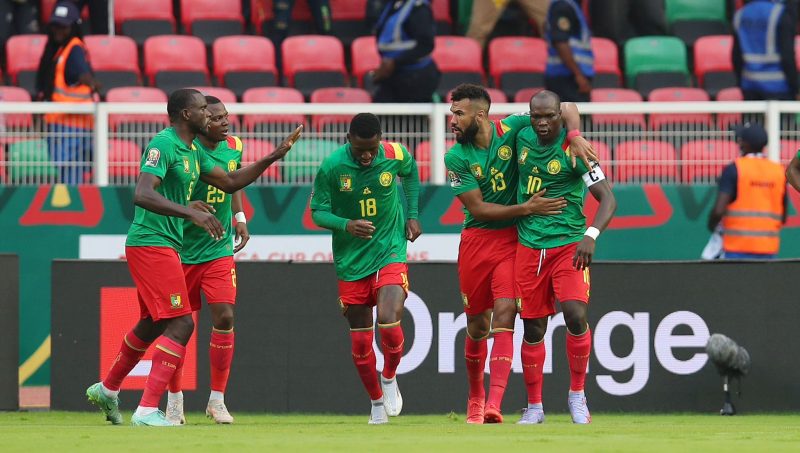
(620, 20)
(485, 14)
(570, 61)
(65, 75)
(751, 202)
(407, 73)
(282, 10)
(763, 51)
(17, 17)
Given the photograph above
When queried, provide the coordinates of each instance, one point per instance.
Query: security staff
(570, 61)
(407, 73)
(763, 51)
(751, 202)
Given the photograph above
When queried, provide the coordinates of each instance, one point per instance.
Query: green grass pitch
(76, 431)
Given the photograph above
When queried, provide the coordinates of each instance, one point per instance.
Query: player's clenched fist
(287, 144)
(413, 229)
(360, 228)
(208, 222)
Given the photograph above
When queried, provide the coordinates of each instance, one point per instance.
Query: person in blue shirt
(570, 61)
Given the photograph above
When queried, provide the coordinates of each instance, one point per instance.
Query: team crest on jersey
(345, 183)
(553, 167)
(175, 301)
(153, 155)
(504, 152)
(231, 165)
(385, 179)
(477, 170)
(523, 155)
(455, 180)
(186, 167)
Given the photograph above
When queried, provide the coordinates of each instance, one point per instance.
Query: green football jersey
(179, 167)
(351, 191)
(550, 167)
(198, 246)
(492, 170)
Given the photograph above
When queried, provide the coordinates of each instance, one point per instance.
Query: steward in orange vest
(751, 203)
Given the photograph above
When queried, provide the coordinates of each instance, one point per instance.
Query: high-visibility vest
(756, 26)
(69, 93)
(581, 48)
(392, 41)
(752, 223)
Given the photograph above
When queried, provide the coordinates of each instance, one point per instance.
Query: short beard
(469, 134)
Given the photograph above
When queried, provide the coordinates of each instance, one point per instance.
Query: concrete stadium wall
(9, 325)
(650, 323)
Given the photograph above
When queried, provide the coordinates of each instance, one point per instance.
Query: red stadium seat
(124, 159)
(725, 120)
(704, 159)
(365, 58)
(658, 120)
(525, 94)
(212, 19)
(604, 154)
(617, 119)
(313, 61)
(441, 15)
(242, 62)
(254, 150)
(272, 95)
(115, 61)
(141, 19)
(606, 64)
(223, 94)
(459, 59)
(336, 95)
(713, 65)
(23, 53)
(646, 161)
(423, 157)
(136, 94)
(349, 20)
(789, 149)
(13, 121)
(174, 61)
(517, 62)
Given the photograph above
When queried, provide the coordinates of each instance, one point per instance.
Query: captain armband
(594, 175)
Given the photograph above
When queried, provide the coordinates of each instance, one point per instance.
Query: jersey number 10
(534, 184)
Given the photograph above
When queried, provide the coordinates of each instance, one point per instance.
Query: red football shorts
(160, 286)
(544, 276)
(217, 279)
(486, 267)
(365, 290)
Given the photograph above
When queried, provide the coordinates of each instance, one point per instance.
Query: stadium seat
(253, 150)
(313, 61)
(441, 16)
(23, 53)
(141, 19)
(659, 120)
(423, 157)
(172, 62)
(115, 61)
(517, 62)
(13, 123)
(459, 60)
(704, 159)
(692, 19)
(272, 95)
(243, 62)
(606, 64)
(364, 58)
(713, 65)
(336, 96)
(655, 62)
(29, 163)
(525, 94)
(616, 120)
(137, 94)
(789, 149)
(301, 164)
(606, 162)
(348, 20)
(726, 120)
(212, 19)
(226, 96)
(646, 161)
(124, 157)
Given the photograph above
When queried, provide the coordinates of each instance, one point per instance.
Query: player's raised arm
(579, 147)
(235, 180)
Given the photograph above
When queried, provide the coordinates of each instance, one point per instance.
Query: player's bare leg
(533, 355)
(503, 316)
(220, 357)
(475, 356)
(391, 299)
(579, 348)
(362, 331)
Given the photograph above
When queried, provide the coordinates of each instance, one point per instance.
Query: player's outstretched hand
(538, 205)
(242, 236)
(413, 229)
(287, 144)
(581, 148)
(583, 254)
(360, 228)
(208, 222)
(202, 206)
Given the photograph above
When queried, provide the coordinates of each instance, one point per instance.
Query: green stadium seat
(301, 164)
(654, 62)
(692, 19)
(29, 163)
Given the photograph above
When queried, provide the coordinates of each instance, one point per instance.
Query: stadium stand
(692, 19)
(141, 19)
(123, 160)
(115, 61)
(655, 62)
(705, 158)
(789, 149)
(459, 60)
(120, 122)
(300, 165)
(226, 96)
(726, 120)
(626, 121)
(692, 121)
(423, 157)
(253, 150)
(441, 15)
(29, 162)
(313, 61)
(646, 161)
(364, 58)
(175, 61)
(525, 94)
(335, 96)
(606, 64)
(212, 19)
(516, 63)
(348, 20)
(272, 95)
(713, 65)
(10, 122)
(243, 62)
(23, 53)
